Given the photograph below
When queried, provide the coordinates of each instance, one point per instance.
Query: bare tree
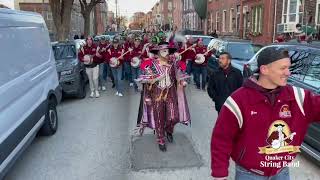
(86, 9)
(61, 13)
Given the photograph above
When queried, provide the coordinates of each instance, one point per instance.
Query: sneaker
(97, 94)
(117, 93)
(120, 94)
(113, 85)
(92, 94)
(131, 84)
(104, 88)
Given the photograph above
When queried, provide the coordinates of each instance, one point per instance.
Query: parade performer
(163, 102)
(104, 69)
(135, 57)
(115, 62)
(200, 63)
(87, 54)
(127, 74)
(190, 54)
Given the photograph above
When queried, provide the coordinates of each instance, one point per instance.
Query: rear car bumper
(70, 84)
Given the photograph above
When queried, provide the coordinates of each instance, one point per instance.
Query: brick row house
(260, 20)
(99, 16)
(191, 20)
(224, 17)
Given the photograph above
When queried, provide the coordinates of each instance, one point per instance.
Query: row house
(223, 16)
(261, 20)
(177, 14)
(291, 12)
(191, 20)
(258, 21)
(99, 16)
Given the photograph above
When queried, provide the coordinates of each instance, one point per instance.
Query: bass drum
(135, 62)
(114, 62)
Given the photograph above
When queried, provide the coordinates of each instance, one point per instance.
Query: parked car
(241, 51)
(29, 86)
(71, 71)
(305, 71)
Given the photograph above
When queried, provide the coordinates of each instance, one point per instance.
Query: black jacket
(221, 86)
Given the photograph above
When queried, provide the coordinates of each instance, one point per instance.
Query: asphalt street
(95, 136)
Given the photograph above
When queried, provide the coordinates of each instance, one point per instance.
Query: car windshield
(241, 51)
(313, 75)
(64, 51)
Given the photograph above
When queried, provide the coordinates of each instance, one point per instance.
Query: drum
(114, 62)
(87, 59)
(200, 59)
(135, 62)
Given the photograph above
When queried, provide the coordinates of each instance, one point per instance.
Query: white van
(29, 86)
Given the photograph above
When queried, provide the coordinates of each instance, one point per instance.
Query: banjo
(135, 62)
(178, 55)
(114, 62)
(87, 59)
(276, 144)
(200, 58)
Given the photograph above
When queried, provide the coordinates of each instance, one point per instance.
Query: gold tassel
(166, 95)
(160, 96)
(150, 87)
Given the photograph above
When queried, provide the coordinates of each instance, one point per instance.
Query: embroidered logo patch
(285, 111)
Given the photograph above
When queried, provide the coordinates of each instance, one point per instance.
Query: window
(170, 6)
(257, 19)
(211, 17)
(49, 15)
(317, 13)
(217, 21)
(224, 17)
(292, 11)
(238, 18)
(231, 20)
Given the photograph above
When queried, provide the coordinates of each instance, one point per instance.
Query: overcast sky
(8, 3)
(128, 7)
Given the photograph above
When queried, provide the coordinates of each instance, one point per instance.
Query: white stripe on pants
(93, 76)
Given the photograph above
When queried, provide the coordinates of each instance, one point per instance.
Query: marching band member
(189, 55)
(102, 50)
(87, 54)
(147, 47)
(127, 74)
(201, 68)
(136, 53)
(163, 103)
(116, 62)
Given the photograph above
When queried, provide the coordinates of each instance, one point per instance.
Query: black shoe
(113, 85)
(163, 147)
(170, 137)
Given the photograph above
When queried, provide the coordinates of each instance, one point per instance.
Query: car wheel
(50, 125)
(82, 89)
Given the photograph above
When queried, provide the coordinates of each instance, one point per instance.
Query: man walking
(264, 119)
(224, 81)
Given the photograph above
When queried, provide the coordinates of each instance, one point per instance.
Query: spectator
(224, 81)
